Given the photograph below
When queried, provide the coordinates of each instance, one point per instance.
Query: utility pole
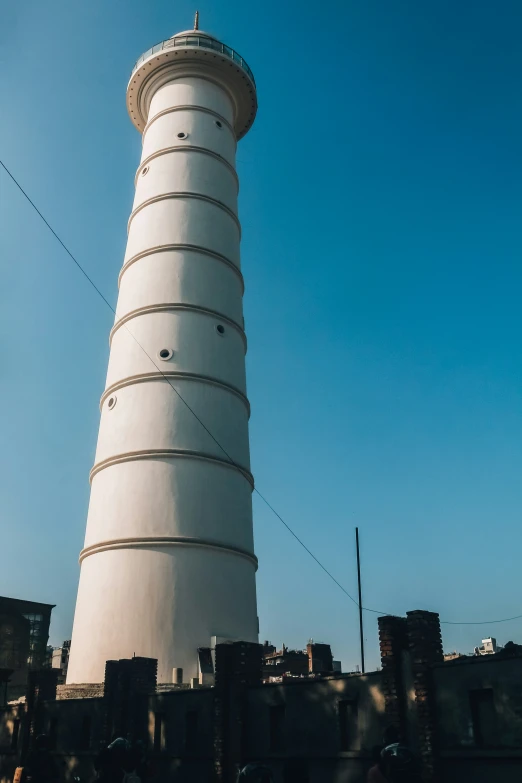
(360, 597)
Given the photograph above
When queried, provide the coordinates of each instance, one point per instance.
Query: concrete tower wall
(168, 559)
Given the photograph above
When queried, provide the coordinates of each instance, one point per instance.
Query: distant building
(315, 660)
(320, 659)
(489, 647)
(24, 633)
(60, 659)
(284, 663)
(453, 656)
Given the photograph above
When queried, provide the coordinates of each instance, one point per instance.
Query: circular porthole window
(165, 354)
(182, 135)
(144, 171)
(112, 402)
(220, 329)
(219, 124)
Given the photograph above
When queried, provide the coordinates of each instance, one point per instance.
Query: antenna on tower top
(196, 21)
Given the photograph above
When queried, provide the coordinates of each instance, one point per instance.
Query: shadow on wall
(10, 735)
(316, 730)
(479, 717)
(77, 767)
(69, 767)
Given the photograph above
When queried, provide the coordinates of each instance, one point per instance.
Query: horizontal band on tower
(150, 541)
(133, 456)
(187, 148)
(184, 376)
(183, 247)
(188, 107)
(169, 307)
(185, 195)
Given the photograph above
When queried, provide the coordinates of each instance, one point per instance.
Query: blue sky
(381, 203)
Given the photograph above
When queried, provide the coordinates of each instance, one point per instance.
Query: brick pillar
(238, 666)
(320, 659)
(114, 700)
(127, 683)
(143, 680)
(393, 641)
(41, 687)
(425, 645)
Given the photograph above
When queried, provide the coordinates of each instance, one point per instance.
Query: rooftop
(195, 38)
(22, 604)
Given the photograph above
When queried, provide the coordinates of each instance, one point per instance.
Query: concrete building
(463, 718)
(168, 562)
(60, 659)
(24, 633)
(284, 663)
(489, 646)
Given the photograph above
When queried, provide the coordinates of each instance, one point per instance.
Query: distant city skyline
(381, 200)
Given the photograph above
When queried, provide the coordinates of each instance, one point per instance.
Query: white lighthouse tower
(168, 561)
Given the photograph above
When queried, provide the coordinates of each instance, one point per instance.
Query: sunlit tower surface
(168, 563)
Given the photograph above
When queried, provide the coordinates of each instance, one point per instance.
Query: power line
(272, 509)
(232, 462)
(482, 622)
(84, 273)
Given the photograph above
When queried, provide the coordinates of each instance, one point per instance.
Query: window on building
(15, 734)
(85, 733)
(484, 718)
(191, 731)
(277, 728)
(36, 641)
(347, 725)
(159, 732)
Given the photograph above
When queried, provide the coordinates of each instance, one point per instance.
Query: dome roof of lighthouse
(199, 50)
(201, 33)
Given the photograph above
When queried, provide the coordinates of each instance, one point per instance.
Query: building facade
(462, 718)
(24, 633)
(285, 664)
(168, 564)
(489, 646)
(60, 659)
